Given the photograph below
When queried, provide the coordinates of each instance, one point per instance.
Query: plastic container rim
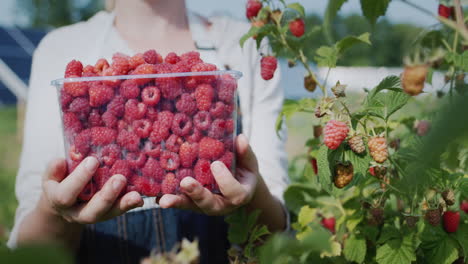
(235, 74)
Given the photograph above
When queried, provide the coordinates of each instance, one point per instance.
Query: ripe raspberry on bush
(268, 65)
(252, 8)
(335, 133)
(378, 149)
(297, 27)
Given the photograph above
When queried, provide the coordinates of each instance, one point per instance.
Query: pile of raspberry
(154, 131)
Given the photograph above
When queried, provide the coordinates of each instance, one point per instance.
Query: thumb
(245, 157)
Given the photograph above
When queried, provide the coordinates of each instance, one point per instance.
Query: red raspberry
(166, 105)
(129, 89)
(87, 193)
(165, 118)
(102, 135)
(100, 66)
(181, 125)
(100, 94)
(150, 95)
(202, 171)
(74, 68)
(80, 106)
(146, 186)
(144, 69)
(188, 153)
(65, 100)
(136, 60)
(128, 140)
(204, 95)
(210, 148)
(173, 143)
(152, 57)
(110, 153)
(227, 86)
(94, 118)
(227, 159)
(334, 133)
(136, 159)
(123, 125)
(121, 167)
(152, 114)
(110, 120)
(182, 173)
(181, 66)
(111, 72)
(229, 143)
(191, 58)
(297, 27)
(170, 184)
(202, 67)
(218, 110)
(152, 150)
(159, 133)
(72, 123)
(268, 66)
(217, 129)
(120, 63)
(252, 8)
(117, 106)
(89, 71)
(172, 58)
(196, 136)
(451, 221)
(76, 89)
(75, 154)
(229, 125)
(101, 176)
(82, 141)
(134, 110)
(169, 161)
(142, 127)
(445, 11)
(170, 87)
(152, 169)
(202, 120)
(186, 104)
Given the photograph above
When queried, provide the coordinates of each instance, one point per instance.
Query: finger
(127, 202)
(245, 156)
(180, 201)
(71, 186)
(103, 200)
(247, 179)
(231, 188)
(201, 196)
(56, 170)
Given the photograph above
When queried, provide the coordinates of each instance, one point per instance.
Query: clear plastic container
(154, 129)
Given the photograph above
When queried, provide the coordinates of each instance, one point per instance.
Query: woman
(48, 210)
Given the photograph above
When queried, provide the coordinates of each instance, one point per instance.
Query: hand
(236, 191)
(60, 194)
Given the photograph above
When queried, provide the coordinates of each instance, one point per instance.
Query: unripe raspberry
(343, 175)
(335, 132)
(378, 149)
(356, 143)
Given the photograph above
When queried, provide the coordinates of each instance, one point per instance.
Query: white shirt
(260, 101)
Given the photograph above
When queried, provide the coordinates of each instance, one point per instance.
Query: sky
(398, 12)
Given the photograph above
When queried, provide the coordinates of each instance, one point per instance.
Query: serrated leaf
(296, 195)
(355, 249)
(324, 173)
(350, 41)
(360, 162)
(390, 82)
(326, 56)
(373, 9)
(237, 232)
(298, 7)
(352, 222)
(252, 32)
(399, 250)
(384, 105)
(438, 246)
(334, 251)
(332, 9)
(459, 60)
(306, 215)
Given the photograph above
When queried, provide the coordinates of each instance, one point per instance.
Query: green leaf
(324, 173)
(306, 215)
(389, 83)
(238, 226)
(350, 41)
(384, 105)
(298, 7)
(355, 249)
(373, 9)
(360, 162)
(252, 32)
(460, 61)
(462, 237)
(429, 76)
(326, 56)
(332, 9)
(297, 195)
(399, 250)
(438, 246)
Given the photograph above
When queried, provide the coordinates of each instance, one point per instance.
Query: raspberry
(218, 110)
(150, 95)
(152, 114)
(120, 63)
(433, 216)
(74, 68)
(89, 71)
(229, 143)
(343, 174)
(128, 140)
(129, 89)
(204, 94)
(169, 161)
(227, 159)
(186, 104)
(377, 216)
(217, 129)
(80, 107)
(134, 110)
(109, 154)
(152, 150)
(94, 118)
(75, 154)
(173, 143)
(411, 220)
(297, 27)
(422, 127)
(101, 176)
(159, 133)
(378, 171)
(152, 57)
(445, 11)
(165, 118)
(76, 89)
(202, 67)
(413, 79)
(202, 171)
(451, 221)
(65, 100)
(166, 105)
(181, 125)
(87, 193)
(202, 120)
(123, 125)
(329, 223)
(152, 169)
(72, 123)
(102, 135)
(378, 149)
(117, 106)
(136, 60)
(111, 72)
(172, 58)
(196, 136)
(146, 186)
(210, 148)
(268, 66)
(82, 141)
(227, 86)
(144, 69)
(356, 143)
(170, 87)
(335, 132)
(169, 184)
(191, 58)
(121, 167)
(110, 120)
(310, 85)
(182, 173)
(229, 126)
(136, 159)
(101, 65)
(142, 127)
(100, 94)
(188, 153)
(252, 8)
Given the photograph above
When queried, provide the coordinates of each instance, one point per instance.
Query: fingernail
(189, 184)
(117, 184)
(91, 164)
(216, 167)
